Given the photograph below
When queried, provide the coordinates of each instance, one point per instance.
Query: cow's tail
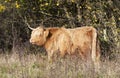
(94, 41)
(94, 50)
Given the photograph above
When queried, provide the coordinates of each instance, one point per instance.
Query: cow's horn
(29, 25)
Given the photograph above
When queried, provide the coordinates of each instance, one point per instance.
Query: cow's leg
(50, 56)
(96, 65)
(63, 51)
(84, 53)
(96, 61)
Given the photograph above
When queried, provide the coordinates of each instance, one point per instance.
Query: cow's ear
(46, 33)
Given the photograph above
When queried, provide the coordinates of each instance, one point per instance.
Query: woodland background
(104, 15)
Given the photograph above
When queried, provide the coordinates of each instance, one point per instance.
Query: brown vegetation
(37, 66)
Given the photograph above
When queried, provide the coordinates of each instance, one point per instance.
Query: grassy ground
(37, 66)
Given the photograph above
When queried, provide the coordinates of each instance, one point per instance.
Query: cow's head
(39, 35)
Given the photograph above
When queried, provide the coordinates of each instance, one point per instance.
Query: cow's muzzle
(32, 41)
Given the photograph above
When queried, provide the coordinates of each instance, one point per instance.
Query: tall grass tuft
(37, 66)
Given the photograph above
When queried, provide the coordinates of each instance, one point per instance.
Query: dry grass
(37, 66)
